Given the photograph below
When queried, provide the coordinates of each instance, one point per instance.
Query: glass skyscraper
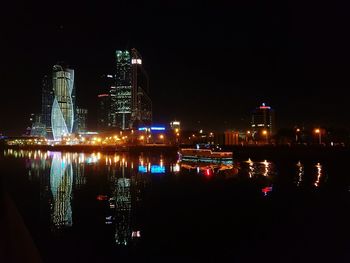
(133, 105)
(122, 99)
(63, 107)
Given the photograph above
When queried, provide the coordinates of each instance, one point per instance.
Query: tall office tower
(81, 120)
(123, 97)
(133, 104)
(46, 104)
(263, 122)
(141, 102)
(63, 107)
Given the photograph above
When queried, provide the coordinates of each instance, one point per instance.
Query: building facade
(263, 123)
(63, 107)
(81, 120)
(122, 98)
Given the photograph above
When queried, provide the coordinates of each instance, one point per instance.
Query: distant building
(47, 97)
(263, 123)
(81, 120)
(107, 103)
(104, 103)
(231, 138)
(63, 107)
(37, 128)
(29, 124)
(175, 125)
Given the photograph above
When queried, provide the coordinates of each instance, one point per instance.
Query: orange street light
(296, 134)
(318, 131)
(264, 132)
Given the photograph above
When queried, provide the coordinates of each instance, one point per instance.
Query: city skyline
(212, 71)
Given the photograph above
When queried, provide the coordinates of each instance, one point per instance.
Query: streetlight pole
(296, 135)
(318, 131)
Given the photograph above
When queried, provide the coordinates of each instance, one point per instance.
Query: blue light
(142, 169)
(157, 169)
(158, 128)
(142, 129)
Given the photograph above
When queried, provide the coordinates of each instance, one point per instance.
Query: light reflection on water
(60, 174)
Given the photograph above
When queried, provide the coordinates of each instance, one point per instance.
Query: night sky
(209, 64)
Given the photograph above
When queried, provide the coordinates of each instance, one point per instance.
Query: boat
(205, 156)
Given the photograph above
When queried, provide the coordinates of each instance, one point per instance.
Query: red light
(265, 107)
(102, 95)
(102, 197)
(266, 190)
(208, 172)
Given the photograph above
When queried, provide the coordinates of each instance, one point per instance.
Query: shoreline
(163, 149)
(239, 151)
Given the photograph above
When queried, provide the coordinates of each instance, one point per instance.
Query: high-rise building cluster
(123, 101)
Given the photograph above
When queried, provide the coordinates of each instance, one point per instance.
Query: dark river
(93, 207)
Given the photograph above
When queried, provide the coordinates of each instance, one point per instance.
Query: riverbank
(156, 148)
(239, 151)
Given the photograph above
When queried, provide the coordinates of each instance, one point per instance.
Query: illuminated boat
(205, 156)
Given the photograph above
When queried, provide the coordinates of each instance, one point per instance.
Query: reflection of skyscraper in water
(79, 170)
(123, 211)
(127, 196)
(61, 180)
(58, 175)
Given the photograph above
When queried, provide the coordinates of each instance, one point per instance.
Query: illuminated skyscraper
(133, 104)
(122, 97)
(63, 107)
(262, 124)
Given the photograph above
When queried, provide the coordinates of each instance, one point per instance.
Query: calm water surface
(93, 207)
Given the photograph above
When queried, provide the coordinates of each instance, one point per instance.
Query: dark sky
(208, 62)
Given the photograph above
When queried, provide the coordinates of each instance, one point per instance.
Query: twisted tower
(62, 115)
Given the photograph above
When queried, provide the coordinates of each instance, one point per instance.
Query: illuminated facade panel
(62, 114)
(81, 120)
